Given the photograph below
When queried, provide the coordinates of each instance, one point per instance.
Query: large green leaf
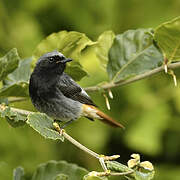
(131, 54)
(18, 89)
(22, 73)
(59, 170)
(43, 125)
(16, 83)
(15, 119)
(61, 177)
(75, 71)
(70, 44)
(167, 36)
(103, 45)
(8, 63)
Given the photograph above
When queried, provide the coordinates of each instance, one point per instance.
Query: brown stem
(133, 79)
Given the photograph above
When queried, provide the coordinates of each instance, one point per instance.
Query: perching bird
(56, 94)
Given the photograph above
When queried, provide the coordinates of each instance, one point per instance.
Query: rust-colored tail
(107, 119)
(93, 112)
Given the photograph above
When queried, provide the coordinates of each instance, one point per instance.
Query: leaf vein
(129, 62)
(175, 50)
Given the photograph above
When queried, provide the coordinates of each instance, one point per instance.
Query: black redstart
(55, 93)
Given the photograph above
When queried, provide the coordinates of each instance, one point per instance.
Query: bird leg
(61, 128)
(65, 124)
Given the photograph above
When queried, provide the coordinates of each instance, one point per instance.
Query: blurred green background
(149, 109)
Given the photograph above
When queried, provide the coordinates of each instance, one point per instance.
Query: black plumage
(55, 93)
(72, 90)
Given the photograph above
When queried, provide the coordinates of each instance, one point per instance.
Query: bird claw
(57, 127)
(62, 131)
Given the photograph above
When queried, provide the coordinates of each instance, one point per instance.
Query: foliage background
(149, 108)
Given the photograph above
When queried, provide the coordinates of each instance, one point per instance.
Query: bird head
(54, 61)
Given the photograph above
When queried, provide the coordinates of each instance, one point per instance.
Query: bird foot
(57, 127)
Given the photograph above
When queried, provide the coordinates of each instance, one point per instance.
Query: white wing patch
(83, 92)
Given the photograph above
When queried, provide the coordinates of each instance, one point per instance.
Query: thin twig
(80, 146)
(66, 136)
(102, 159)
(121, 173)
(108, 173)
(21, 111)
(73, 141)
(136, 78)
(16, 99)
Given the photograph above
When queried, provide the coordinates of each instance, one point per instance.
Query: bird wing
(72, 90)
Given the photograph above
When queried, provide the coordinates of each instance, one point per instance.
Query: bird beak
(66, 60)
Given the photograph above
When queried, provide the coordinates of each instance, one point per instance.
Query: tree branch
(62, 132)
(21, 111)
(133, 79)
(73, 141)
(109, 166)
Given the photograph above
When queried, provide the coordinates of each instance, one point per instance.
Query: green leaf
(22, 73)
(8, 63)
(103, 45)
(53, 169)
(18, 173)
(61, 177)
(167, 36)
(75, 71)
(16, 83)
(71, 44)
(43, 125)
(133, 53)
(19, 89)
(143, 176)
(15, 119)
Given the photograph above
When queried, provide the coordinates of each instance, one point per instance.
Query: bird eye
(51, 59)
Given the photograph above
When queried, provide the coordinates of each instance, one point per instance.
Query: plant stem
(102, 159)
(16, 99)
(73, 141)
(62, 132)
(133, 79)
(80, 146)
(21, 111)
